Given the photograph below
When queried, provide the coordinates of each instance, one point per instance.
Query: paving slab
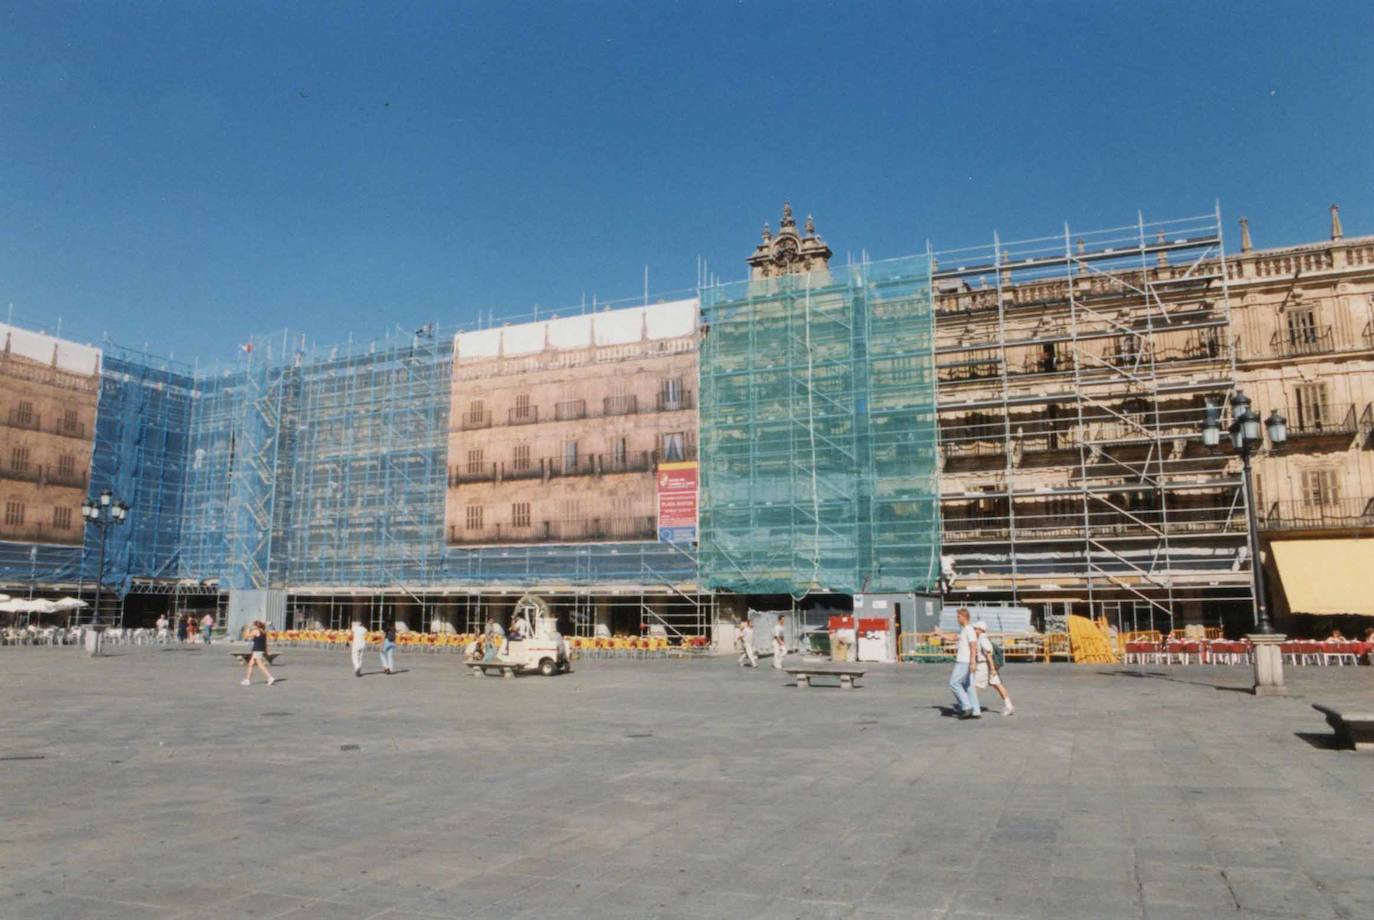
(150, 784)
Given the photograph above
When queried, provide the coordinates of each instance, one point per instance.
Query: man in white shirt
(162, 624)
(779, 643)
(749, 654)
(960, 679)
(359, 644)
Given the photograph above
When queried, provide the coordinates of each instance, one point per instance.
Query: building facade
(48, 396)
(556, 429)
(1030, 412)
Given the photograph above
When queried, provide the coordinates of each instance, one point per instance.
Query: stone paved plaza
(149, 784)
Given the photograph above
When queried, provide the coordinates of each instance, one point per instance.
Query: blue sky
(186, 175)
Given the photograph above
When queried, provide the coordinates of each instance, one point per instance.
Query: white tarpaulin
(606, 327)
(68, 356)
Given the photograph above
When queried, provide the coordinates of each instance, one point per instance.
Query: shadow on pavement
(1325, 741)
(1159, 675)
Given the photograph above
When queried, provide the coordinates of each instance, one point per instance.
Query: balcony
(637, 462)
(577, 531)
(522, 415)
(22, 474)
(72, 480)
(1324, 421)
(472, 472)
(31, 422)
(1337, 513)
(526, 470)
(473, 420)
(570, 410)
(620, 405)
(1314, 340)
(673, 402)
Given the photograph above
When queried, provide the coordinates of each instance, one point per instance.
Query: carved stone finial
(1245, 244)
(767, 232)
(1082, 247)
(810, 226)
(787, 220)
(1336, 231)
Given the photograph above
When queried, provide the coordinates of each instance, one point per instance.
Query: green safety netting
(818, 432)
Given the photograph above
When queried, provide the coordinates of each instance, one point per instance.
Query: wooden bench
(847, 676)
(507, 668)
(244, 656)
(1352, 727)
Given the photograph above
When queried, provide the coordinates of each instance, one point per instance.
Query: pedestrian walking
(960, 679)
(183, 626)
(257, 655)
(163, 624)
(750, 654)
(359, 644)
(207, 625)
(779, 643)
(388, 652)
(988, 673)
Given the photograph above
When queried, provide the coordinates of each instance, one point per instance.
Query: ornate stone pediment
(789, 252)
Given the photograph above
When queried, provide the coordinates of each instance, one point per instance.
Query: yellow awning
(1326, 576)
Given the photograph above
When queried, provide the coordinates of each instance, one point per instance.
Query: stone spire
(1336, 231)
(787, 220)
(1245, 244)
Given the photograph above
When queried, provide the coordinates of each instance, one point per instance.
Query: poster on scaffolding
(677, 502)
(49, 390)
(557, 427)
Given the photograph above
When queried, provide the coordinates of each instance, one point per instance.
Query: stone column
(1268, 664)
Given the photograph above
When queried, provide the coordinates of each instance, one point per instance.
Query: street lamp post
(104, 512)
(1247, 438)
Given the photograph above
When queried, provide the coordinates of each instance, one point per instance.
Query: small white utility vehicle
(533, 642)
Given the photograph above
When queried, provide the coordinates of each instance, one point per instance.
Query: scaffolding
(818, 432)
(1074, 373)
(139, 451)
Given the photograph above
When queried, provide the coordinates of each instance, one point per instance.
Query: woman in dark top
(257, 655)
(388, 647)
(181, 628)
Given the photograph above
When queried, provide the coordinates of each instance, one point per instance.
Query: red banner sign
(677, 502)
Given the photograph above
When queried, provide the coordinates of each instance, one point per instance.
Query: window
(674, 446)
(61, 518)
(474, 517)
(522, 405)
(14, 512)
(477, 413)
(1311, 407)
(24, 413)
(522, 457)
(69, 421)
(475, 461)
(670, 395)
(520, 514)
(1302, 326)
(618, 452)
(19, 459)
(569, 456)
(1319, 488)
(66, 466)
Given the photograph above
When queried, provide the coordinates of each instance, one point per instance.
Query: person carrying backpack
(989, 672)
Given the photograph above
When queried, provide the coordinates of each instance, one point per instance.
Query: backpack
(998, 659)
